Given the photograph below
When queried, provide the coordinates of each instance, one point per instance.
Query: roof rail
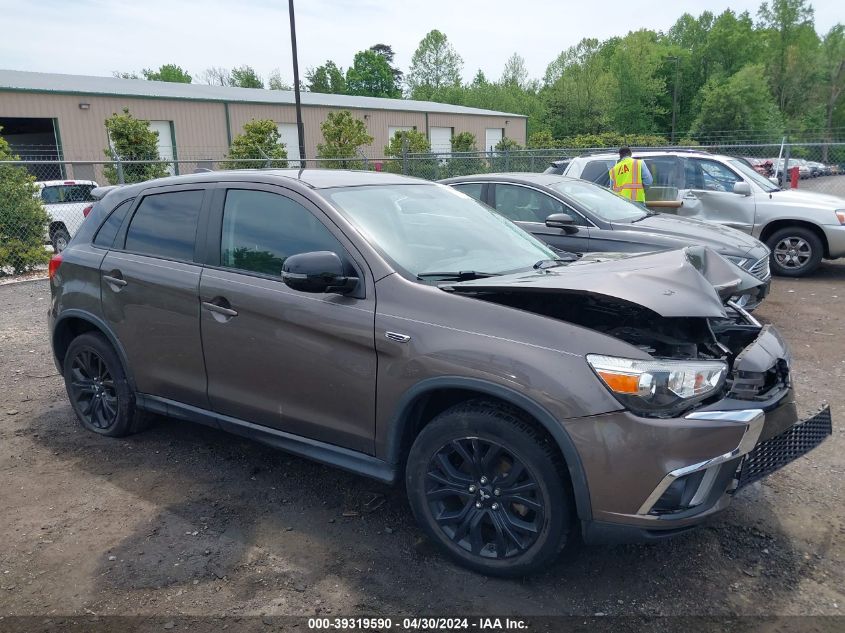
(669, 148)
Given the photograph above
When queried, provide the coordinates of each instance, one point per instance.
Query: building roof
(18, 80)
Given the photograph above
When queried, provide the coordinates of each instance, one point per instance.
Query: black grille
(774, 453)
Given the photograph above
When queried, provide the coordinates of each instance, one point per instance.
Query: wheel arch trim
(104, 329)
(402, 417)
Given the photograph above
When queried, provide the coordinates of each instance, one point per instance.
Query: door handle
(218, 309)
(115, 280)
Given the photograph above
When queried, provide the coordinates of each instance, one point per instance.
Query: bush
(421, 161)
(465, 158)
(258, 146)
(344, 135)
(133, 140)
(23, 220)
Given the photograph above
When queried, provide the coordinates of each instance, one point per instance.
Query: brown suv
(402, 330)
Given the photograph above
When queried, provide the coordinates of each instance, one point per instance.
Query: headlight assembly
(659, 388)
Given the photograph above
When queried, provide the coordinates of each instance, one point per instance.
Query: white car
(68, 203)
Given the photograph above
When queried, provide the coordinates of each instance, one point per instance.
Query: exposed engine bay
(680, 338)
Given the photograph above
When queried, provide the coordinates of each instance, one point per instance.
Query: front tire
(796, 251)
(98, 389)
(489, 489)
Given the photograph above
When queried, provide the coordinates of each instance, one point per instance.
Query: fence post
(507, 160)
(405, 154)
(118, 166)
(785, 176)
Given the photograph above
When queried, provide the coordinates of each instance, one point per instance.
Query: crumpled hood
(690, 282)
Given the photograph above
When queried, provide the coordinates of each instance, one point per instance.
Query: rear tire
(796, 251)
(98, 389)
(60, 239)
(489, 489)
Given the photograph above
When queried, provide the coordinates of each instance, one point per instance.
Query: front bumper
(649, 477)
(835, 235)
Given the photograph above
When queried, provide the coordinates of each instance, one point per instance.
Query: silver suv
(800, 227)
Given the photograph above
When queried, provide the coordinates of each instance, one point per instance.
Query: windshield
(761, 181)
(601, 202)
(433, 228)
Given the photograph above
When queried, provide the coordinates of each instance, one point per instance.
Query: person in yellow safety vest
(630, 176)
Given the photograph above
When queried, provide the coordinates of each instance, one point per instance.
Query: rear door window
(165, 225)
(521, 204)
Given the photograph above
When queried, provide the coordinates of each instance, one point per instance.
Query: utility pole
(299, 127)
(674, 96)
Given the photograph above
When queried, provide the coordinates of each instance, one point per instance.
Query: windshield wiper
(461, 275)
(554, 263)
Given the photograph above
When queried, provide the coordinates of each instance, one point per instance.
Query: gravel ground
(185, 520)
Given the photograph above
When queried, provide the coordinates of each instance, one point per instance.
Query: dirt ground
(186, 520)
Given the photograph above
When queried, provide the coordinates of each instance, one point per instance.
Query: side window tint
(522, 204)
(165, 225)
(262, 229)
(472, 189)
(597, 171)
(108, 230)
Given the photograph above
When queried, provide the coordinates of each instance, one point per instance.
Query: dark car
(580, 217)
(401, 330)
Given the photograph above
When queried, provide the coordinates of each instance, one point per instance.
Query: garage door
(165, 142)
(440, 139)
(492, 136)
(290, 137)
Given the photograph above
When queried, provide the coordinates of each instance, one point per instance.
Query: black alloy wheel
(92, 389)
(484, 498)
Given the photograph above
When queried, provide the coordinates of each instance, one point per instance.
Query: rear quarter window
(597, 171)
(108, 231)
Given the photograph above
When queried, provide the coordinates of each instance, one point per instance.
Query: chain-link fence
(42, 216)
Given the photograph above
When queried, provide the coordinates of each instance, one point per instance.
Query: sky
(97, 37)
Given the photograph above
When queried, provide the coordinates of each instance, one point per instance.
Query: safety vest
(626, 178)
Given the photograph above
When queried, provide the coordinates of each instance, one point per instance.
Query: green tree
(245, 77)
(507, 145)
(435, 65)
(167, 72)
(132, 140)
(328, 79)
(783, 20)
(275, 81)
(635, 84)
(833, 67)
(742, 103)
(23, 219)
(386, 51)
(516, 73)
(420, 161)
(370, 75)
(343, 137)
(465, 159)
(259, 145)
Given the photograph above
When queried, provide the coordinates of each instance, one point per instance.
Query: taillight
(55, 262)
(87, 210)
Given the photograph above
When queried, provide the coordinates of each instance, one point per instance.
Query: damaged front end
(705, 382)
(675, 308)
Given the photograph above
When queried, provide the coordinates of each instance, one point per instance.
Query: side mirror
(774, 181)
(562, 221)
(317, 271)
(742, 188)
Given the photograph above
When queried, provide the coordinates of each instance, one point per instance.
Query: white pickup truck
(67, 202)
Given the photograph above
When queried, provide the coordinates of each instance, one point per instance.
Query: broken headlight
(658, 387)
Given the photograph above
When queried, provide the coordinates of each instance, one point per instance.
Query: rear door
(149, 289)
(300, 362)
(708, 195)
(529, 208)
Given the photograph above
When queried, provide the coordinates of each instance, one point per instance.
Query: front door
(529, 208)
(149, 284)
(708, 195)
(300, 362)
